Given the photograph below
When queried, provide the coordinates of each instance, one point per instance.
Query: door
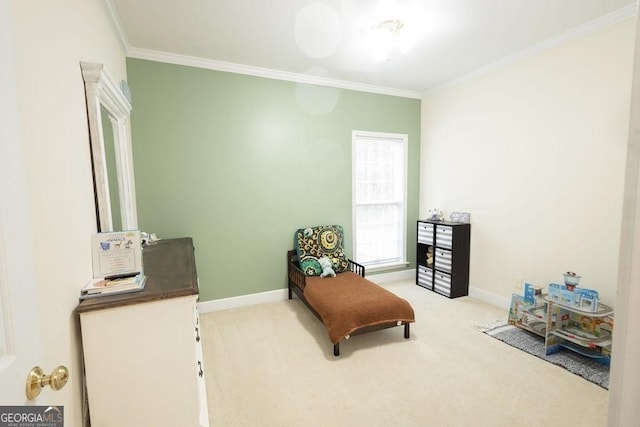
(19, 336)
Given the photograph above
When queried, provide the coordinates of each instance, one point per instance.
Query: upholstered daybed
(347, 304)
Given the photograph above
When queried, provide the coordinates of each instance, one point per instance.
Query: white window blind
(379, 197)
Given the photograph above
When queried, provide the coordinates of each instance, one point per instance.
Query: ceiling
(322, 41)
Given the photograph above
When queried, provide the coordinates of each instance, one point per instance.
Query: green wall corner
(239, 163)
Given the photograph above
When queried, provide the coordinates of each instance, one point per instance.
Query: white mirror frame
(102, 91)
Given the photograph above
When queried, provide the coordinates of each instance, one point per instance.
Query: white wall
(536, 152)
(625, 371)
(50, 40)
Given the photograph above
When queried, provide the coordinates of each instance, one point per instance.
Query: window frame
(404, 140)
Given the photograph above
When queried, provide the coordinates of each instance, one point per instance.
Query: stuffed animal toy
(327, 270)
(436, 215)
(430, 256)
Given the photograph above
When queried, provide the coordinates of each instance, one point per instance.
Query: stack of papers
(117, 264)
(111, 286)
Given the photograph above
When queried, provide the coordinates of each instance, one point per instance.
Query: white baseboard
(394, 276)
(282, 294)
(490, 298)
(242, 301)
(476, 293)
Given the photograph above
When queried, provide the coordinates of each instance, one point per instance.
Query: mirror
(108, 112)
(112, 171)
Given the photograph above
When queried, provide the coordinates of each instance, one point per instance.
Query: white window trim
(405, 144)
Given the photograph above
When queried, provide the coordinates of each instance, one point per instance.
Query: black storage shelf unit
(442, 253)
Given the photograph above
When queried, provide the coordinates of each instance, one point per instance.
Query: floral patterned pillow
(312, 243)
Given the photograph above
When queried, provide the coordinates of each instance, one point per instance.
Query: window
(379, 198)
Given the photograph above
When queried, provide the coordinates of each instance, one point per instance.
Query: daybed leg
(336, 349)
(290, 294)
(406, 330)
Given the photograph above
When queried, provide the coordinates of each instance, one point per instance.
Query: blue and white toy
(327, 269)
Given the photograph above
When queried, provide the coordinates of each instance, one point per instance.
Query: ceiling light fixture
(387, 31)
(384, 36)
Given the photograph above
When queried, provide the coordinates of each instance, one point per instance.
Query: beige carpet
(272, 365)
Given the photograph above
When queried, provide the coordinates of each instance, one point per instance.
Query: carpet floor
(272, 365)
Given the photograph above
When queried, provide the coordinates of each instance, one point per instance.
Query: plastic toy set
(570, 295)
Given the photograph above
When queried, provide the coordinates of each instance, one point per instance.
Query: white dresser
(142, 351)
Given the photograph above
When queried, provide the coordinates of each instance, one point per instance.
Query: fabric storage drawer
(425, 277)
(443, 260)
(444, 236)
(442, 247)
(425, 233)
(442, 283)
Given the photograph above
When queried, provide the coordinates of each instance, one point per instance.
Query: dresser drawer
(425, 233)
(425, 277)
(444, 236)
(442, 283)
(443, 260)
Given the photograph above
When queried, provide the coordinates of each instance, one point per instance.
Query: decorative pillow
(315, 242)
(311, 267)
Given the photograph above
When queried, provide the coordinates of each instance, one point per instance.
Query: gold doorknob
(36, 380)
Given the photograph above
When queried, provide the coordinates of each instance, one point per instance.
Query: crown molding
(579, 31)
(192, 61)
(230, 67)
(116, 23)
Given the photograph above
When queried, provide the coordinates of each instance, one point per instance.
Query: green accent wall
(239, 163)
